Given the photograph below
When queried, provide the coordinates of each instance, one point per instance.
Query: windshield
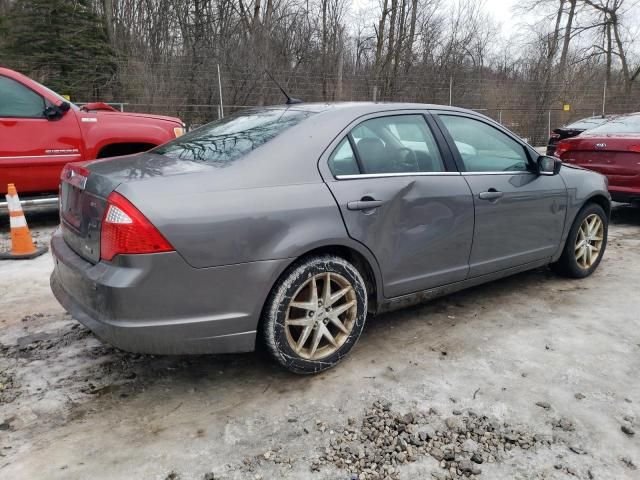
(225, 140)
(625, 124)
(587, 123)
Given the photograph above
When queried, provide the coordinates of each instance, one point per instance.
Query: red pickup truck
(40, 132)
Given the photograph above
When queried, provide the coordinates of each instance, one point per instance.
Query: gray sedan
(288, 225)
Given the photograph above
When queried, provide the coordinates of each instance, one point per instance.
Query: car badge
(601, 145)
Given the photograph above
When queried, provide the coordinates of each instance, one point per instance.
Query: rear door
(519, 215)
(402, 198)
(33, 150)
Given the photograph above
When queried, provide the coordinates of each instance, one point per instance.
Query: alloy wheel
(321, 316)
(589, 241)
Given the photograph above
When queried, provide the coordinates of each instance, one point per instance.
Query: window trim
(354, 150)
(436, 114)
(398, 174)
(43, 98)
(448, 163)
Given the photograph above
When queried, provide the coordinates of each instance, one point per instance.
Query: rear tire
(586, 243)
(315, 314)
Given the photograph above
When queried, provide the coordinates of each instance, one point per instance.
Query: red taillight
(634, 148)
(126, 230)
(561, 148)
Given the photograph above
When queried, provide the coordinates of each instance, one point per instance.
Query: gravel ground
(531, 377)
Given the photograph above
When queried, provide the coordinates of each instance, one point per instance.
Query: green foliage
(62, 43)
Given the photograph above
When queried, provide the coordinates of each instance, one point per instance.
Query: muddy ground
(551, 366)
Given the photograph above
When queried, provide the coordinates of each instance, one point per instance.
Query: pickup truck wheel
(315, 314)
(585, 244)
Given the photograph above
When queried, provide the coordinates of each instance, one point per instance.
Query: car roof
(364, 107)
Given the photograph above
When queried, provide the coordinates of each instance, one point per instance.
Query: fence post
(450, 90)
(220, 89)
(375, 93)
(500, 117)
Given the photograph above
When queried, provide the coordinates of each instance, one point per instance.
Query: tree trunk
(391, 42)
(380, 42)
(323, 61)
(412, 36)
(107, 6)
(340, 66)
(567, 37)
(609, 48)
(623, 57)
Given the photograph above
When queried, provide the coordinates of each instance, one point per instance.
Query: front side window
(223, 141)
(16, 100)
(484, 148)
(396, 144)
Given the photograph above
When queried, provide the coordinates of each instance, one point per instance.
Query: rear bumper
(159, 304)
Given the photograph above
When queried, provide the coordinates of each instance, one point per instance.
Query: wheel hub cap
(588, 245)
(321, 316)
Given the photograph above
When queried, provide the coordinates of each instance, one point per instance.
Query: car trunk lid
(81, 211)
(617, 156)
(84, 189)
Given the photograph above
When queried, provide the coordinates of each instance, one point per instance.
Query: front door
(519, 215)
(33, 150)
(404, 201)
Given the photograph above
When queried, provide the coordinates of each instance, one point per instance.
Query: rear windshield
(224, 140)
(586, 123)
(630, 124)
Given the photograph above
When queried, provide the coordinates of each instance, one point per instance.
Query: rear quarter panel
(243, 225)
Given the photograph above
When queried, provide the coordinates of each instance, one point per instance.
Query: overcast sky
(500, 10)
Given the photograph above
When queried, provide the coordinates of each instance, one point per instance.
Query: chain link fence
(198, 90)
(199, 93)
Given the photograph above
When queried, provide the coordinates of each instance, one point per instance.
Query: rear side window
(623, 124)
(343, 161)
(586, 123)
(16, 100)
(225, 140)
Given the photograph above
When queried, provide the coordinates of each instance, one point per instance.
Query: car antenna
(290, 100)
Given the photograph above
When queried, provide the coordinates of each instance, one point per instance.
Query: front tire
(585, 244)
(315, 314)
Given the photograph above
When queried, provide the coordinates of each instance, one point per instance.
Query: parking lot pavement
(552, 363)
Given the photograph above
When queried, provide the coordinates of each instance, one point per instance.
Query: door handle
(492, 194)
(364, 204)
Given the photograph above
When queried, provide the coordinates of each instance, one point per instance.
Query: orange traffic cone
(22, 245)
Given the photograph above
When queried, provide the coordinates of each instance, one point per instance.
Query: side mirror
(548, 165)
(52, 112)
(55, 112)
